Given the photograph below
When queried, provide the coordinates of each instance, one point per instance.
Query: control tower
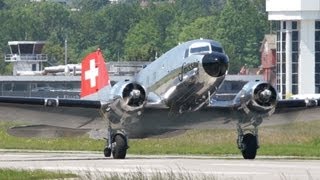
(26, 55)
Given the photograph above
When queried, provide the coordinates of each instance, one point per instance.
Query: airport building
(297, 45)
(26, 55)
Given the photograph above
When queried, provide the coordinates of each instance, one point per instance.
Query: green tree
(203, 27)
(186, 12)
(142, 42)
(49, 18)
(111, 26)
(54, 50)
(240, 31)
(89, 5)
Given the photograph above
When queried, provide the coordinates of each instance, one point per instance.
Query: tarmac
(196, 167)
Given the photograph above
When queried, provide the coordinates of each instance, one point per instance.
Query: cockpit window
(186, 53)
(216, 49)
(199, 49)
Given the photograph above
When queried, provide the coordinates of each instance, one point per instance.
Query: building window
(34, 67)
(280, 55)
(282, 28)
(284, 25)
(317, 56)
(295, 56)
(294, 25)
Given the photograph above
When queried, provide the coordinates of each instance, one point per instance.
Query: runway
(94, 163)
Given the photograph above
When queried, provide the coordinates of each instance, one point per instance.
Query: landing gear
(248, 139)
(117, 144)
(250, 146)
(120, 148)
(116, 141)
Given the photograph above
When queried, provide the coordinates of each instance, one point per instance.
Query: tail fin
(94, 76)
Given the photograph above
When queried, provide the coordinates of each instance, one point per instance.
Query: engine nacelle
(132, 93)
(258, 97)
(129, 99)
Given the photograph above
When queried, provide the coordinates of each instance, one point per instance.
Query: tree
(240, 31)
(142, 42)
(54, 50)
(203, 27)
(89, 5)
(111, 26)
(186, 12)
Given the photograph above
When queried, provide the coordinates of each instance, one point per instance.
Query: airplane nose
(215, 64)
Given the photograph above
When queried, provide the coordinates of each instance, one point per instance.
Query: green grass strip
(13, 174)
(296, 139)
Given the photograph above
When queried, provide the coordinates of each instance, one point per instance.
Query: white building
(298, 45)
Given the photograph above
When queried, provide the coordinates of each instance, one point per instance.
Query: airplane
(178, 90)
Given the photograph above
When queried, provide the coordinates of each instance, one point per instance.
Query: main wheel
(120, 147)
(250, 146)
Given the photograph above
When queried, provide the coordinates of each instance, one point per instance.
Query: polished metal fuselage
(177, 82)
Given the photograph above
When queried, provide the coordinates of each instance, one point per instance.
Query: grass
(296, 139)
(69, 143)
(33, 175)
(140, 175)
(14, 174)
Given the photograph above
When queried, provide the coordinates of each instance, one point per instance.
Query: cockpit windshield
(200, 49)
(216, 49)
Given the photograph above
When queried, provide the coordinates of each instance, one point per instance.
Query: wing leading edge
(53, 102)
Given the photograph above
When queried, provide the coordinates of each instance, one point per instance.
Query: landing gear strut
(116, 144)
(248, 138)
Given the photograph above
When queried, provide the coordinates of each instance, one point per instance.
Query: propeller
(265, 95)
(134, 94)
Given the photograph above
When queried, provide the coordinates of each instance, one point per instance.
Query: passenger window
(186, 53)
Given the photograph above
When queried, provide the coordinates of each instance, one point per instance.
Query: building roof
(284, 10)
(25, 42)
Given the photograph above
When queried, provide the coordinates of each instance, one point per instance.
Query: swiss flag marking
(92, 73)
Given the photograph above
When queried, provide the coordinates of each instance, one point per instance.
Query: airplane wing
(297, 103)
(255, 95)
(52, 102)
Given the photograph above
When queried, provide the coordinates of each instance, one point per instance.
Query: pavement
(197, 167)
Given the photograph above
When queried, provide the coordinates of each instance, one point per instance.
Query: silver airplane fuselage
(182, 81)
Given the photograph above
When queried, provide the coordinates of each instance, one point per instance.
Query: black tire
(107, 152)
(250, 146)
(120, 147)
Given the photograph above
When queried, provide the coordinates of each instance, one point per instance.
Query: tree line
(128, 31)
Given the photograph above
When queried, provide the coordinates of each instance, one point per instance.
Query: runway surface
(195, 166)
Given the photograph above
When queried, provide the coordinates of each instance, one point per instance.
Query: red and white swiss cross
(94, 75)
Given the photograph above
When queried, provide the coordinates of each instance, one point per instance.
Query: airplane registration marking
(185, 68)
(92, 73)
